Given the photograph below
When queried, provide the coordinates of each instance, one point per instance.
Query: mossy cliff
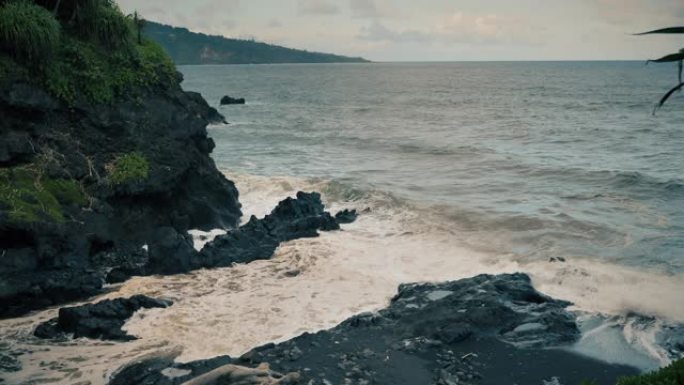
(100, 150)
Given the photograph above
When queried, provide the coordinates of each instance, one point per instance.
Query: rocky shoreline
(134, 226)
(105, 170)
(481, 330)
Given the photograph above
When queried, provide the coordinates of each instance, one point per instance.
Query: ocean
(556, 169)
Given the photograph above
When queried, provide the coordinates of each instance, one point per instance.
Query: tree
(673, 57)
(139, 25)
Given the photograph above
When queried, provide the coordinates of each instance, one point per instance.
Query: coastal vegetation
(30, 197)
(672, 374)
(132, 167)
(85, 50)
(187, 47)
(82, 52)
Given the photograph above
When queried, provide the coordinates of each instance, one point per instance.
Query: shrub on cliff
(95, 56)
(102, 20)
(127, 168)
(25, 196)
(28, 32)
(669, 375)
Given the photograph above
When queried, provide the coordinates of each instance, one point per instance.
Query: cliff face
(85, 187)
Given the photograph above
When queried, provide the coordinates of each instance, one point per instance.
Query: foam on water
(313, 284)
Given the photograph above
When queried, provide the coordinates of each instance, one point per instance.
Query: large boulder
(102, 320)
(257, 239)
(226, 100)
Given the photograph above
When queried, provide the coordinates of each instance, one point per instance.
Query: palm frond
(668, 58)
(663, 30)
(667, 96)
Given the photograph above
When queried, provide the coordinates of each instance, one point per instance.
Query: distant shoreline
(192, 48)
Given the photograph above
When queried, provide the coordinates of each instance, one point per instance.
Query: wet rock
(346, 216)
(226, 100)
(459, 332)
(203, 108)
(102, 320)
(257, 239)
(149, 371)
(171, 252)
(163, 370)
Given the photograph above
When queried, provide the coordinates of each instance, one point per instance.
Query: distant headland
(187, 47)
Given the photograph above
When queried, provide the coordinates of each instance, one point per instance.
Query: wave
(313, 284)
(609, 180)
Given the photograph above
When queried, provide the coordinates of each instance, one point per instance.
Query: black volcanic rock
(211, 114)
(257, 239)
(46, 261)
(173, 253)
(346, 216)
(102, 320)
(226, 100)
(487, 330)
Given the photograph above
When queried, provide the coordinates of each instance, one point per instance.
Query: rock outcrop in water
(102, 320)
(481, 330)
(257, 239)
(227, 100)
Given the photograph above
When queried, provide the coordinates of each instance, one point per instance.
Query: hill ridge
(188, 47)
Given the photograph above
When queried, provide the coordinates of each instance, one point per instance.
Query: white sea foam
(201, 238)
(231, 310)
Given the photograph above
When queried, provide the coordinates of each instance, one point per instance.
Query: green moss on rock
(26, 197)
(128, 168)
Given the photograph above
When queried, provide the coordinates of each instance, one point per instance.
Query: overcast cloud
(401, 30)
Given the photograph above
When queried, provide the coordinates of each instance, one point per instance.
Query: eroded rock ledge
(292, 218)
(102, 320)
(257, 239)
(482, 330)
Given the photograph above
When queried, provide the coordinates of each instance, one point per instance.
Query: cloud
(275, 23)
(317, 7)
(458, 27)
(363, 8)
(377, 32)
(373, 9)
(638, 13)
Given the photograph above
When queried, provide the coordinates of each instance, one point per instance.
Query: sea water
(559, 170)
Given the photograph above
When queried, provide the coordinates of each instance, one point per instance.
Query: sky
(437, 30)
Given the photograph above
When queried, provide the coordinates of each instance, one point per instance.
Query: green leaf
(664, 30)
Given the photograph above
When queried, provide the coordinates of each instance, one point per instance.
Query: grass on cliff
(87, 52)
(28, 32)
(26, 197)
(672, 374)
(127, 168)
